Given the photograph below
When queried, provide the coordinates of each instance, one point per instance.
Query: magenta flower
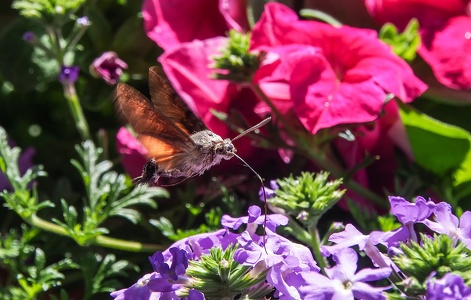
(188, 68)
(334, 76)
(109, 67)
(170, 23)
(445, 31)
(132, 152)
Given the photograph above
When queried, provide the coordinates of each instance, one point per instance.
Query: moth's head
(225, 149)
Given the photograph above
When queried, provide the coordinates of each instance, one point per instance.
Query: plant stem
(76, 110)
(101, 240)
(316, 248)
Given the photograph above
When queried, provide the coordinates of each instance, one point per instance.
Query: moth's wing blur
(164, 140)
(170, 104)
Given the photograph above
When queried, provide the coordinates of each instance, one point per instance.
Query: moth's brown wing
(159, 134)
(170, 104)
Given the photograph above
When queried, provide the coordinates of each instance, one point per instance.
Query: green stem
(279, 116)
(311, 238)
(319, 15)
(102, 241)
(76, 110)
(316, 248)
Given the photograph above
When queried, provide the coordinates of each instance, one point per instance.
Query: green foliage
(428, 137)
(22, 200)
(27, 265)
(236, 63)
(404, 44)
(219, 268)
(307, 197)
(47, 10)
(100, 273)
(165, 226)
(438, 255)
(107, 196)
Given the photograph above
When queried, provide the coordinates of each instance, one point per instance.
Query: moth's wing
(163, 139)
(170, 104)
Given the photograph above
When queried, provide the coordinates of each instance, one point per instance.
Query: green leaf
(439, 147)
(404, 44)
(16, 57)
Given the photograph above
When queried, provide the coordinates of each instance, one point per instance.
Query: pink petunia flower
(170, 23)
(132, 152)
(333, 76)
(188, 68)
(445, 28)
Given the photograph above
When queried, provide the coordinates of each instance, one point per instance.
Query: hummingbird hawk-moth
(178, 143)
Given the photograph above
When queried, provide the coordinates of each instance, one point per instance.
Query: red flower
(334, 75)
(445, 28)
(170, 23)
(133, 154)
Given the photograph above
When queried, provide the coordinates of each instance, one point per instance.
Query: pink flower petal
(170, 23)
(132, 152)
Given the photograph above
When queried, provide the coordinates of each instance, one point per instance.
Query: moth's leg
(150, 172)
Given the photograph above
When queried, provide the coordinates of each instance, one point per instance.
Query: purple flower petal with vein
(450, 286)
(342, 281)
(179, 263)
(254, 219)
(409, 213)
(139, 290)
(447, 223)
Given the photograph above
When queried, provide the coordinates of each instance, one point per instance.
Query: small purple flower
(84, 21)
(410, 213)
(342, 281)
(69, 74)
(269, 192)
(447, 223)
(254, 219)
(29, 36)
(109, 67)
(277, 250)
(407, 212)
(178, 267)
(139, 290)
(449, 287)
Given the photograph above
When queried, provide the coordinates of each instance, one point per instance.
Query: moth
(178, 143)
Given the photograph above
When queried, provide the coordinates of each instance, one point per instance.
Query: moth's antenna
(263, 189)
(252, 129)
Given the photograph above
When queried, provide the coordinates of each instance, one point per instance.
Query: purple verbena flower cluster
(290, 272)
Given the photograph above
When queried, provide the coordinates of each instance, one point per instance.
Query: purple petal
(195, 295)
(369, 274)
(465, 224)
(346, 260)
(365, 291)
